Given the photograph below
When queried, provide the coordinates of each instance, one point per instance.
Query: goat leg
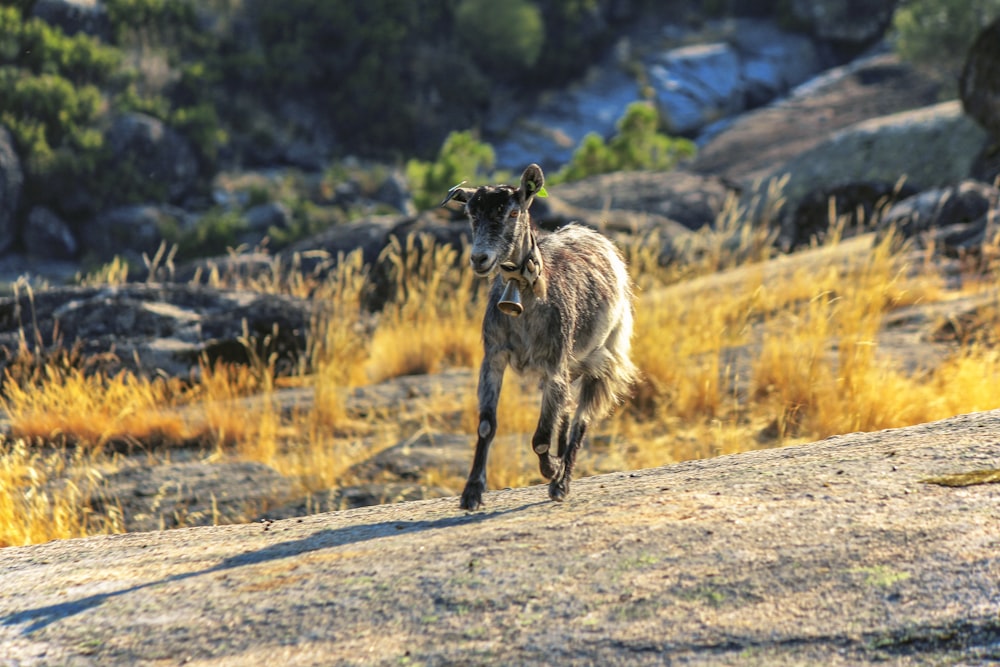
(490, 382)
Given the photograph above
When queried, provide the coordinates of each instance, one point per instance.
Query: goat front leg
(490, 382)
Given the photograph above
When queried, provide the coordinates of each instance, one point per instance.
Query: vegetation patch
(971, 478)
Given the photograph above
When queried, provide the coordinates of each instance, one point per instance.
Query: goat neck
(524, 268)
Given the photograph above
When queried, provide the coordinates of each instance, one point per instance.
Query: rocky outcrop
(157, 328)
(861, 549)
(930, 147)
(980, 92)
(957, 219)
(156, 154)
(190, 493)
(852, 25)
(746, 149)
(45, 234)
(693, 200)
(131, 231)
(11, 183)
(693, 87)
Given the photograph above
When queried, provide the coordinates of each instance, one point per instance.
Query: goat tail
(614, 380)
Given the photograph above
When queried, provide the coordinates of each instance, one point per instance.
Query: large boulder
(693, 200)
(773, 60)
(696, 85)
(930, 147)
(852, 25)
(154, 153)
(746, 150)
(955, 219)
(979, 85)
(750, 64)
(46, 235)
(11, 183)
(549, 133)
(165, 328)
(130, 231)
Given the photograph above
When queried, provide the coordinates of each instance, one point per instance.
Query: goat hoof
(472, 498)
(559, 490)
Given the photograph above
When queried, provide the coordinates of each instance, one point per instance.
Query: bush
(637, 145)
(462, 157)
(938, 33)
(504, 38)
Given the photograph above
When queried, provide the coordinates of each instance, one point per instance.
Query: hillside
(838, 552)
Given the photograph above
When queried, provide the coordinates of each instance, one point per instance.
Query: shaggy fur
(575, 330)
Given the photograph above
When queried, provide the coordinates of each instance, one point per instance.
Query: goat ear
(458, 193)
(532, 182)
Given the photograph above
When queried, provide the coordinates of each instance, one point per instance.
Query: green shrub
(212, 234)
(34, 45)
(938, 33)
(502, 37)
(462, 157)
(637, 145)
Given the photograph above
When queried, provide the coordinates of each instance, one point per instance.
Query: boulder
(130, 231)
(693, 200)
(11, 184)
(549, 133)
(746, 149)
(956, 218)
(394, 191)
(73, 16)
(696, 85)
(47, 235)
(752, 63)
(773, 61)
(979, 85)
(189, 493)
(853, 25)
(158, 328)
(930, 147)
(262, 217)
(154, 153)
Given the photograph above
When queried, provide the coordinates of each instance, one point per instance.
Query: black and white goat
(560, 306)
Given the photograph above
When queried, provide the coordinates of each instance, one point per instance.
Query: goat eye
(513, 213)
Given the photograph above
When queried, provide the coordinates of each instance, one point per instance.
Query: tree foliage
(505, 38)
(462, 157)
(637, 145)
(938, 33)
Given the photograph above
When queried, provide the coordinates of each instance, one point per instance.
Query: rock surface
(839, 552)
(979, 88)
(165, 327)
(929, 147)
(11, 183)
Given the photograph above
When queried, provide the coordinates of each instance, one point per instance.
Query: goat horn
(451, 194)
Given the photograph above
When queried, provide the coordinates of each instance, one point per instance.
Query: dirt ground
(839, 552)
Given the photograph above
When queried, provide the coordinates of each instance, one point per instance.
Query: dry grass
(736, 353)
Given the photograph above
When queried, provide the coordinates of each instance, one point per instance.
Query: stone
(154, 152)
(979, 86)
(929, 147)
(11, 185)
(47, 235)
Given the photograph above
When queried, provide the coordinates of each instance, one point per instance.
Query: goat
(574, 326)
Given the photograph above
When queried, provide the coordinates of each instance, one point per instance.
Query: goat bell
(510, 300)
